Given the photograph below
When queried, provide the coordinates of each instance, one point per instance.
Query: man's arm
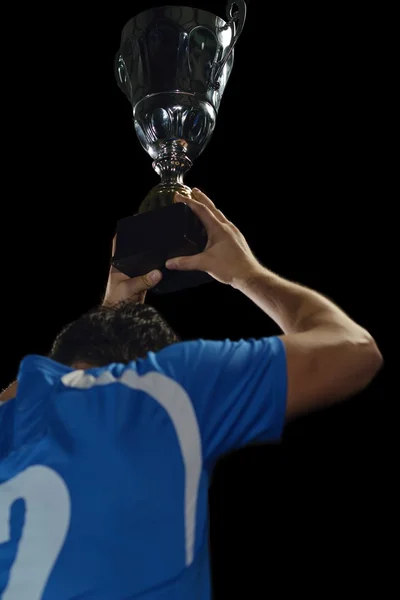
(329, 356)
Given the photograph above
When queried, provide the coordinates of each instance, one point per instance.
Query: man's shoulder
(39, 362)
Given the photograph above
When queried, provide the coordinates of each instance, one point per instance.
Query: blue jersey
(104, 473)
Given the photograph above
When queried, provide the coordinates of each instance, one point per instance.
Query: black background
(291, 163)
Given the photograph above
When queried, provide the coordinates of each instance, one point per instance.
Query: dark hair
(119, 333)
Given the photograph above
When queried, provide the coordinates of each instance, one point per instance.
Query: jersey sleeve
(238, 390)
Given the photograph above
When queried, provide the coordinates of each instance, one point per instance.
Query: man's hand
(120, 287)
(227, 256)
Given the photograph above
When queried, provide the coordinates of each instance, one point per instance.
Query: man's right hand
(227, 256)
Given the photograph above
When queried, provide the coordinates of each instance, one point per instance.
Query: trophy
(173, 65)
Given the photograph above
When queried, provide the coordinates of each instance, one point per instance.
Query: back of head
(108, 334)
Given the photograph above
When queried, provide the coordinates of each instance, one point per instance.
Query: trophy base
(163, 195)
(147, 240)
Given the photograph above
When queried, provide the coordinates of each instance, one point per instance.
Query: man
(107, 447)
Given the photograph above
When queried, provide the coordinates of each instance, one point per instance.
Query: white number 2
(47, 518)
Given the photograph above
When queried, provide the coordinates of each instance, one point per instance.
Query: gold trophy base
(163, 195)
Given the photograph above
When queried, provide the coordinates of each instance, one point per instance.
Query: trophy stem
(171, 165)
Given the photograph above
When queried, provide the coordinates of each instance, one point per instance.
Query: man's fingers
(149, 280)
(137, 285)
(203, 199)
(204, 213)
(184, 263)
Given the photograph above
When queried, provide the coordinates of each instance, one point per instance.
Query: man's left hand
(120, 287)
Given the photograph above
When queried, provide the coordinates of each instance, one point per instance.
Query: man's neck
(9, 392)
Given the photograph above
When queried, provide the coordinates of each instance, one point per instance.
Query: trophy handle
(236, 20)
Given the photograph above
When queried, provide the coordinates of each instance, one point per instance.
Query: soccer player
(107, 445)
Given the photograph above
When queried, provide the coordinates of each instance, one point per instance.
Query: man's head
(108, 334)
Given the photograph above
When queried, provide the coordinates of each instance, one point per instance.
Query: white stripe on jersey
(174, 399)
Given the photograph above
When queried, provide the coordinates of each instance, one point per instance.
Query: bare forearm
(295, 308)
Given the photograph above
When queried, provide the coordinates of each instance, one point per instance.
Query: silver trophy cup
(173, 65)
